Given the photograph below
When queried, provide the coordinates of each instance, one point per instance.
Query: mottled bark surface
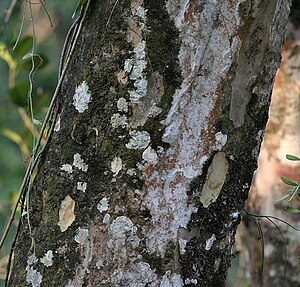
(161, 118)
(281, 137)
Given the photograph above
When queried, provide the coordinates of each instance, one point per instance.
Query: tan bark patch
(66, 213)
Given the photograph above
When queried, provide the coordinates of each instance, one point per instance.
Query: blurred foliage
(294, 190)
(16, 130)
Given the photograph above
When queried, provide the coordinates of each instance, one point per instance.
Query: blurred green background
(16, 135)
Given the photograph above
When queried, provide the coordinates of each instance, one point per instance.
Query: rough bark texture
(281, 137)
(161, 118)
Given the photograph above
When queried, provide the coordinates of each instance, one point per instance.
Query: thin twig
(49, 18)
(271, 218)
(13, 244)
(22, 25)
(10, 10)
(110, 15)
(284, 244)
(261, 237)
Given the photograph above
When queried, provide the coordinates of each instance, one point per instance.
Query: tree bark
(281, 137)
(161, 117)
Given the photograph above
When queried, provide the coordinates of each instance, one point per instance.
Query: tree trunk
(281, 137)
(161, 116)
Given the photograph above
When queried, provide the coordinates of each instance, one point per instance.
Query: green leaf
(27, 56)
(293, 192)
(18, 94)
(37, 122)
(78, 7)
(292, 209)
(23, 47)
(288, 182)
(292, 157)
(40, 61)
(282, 198)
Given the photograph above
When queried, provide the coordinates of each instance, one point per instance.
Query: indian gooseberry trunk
(161, 116)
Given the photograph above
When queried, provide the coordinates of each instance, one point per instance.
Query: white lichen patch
(81, 235)
(191, 281)
(47, 259)
(221, 140)
(154, 111)
(139, 140)
(128, 65)
(182, 244)
(140, 90)
(66, 213)
(106, 218)
(131, 171)
(122, 105)
(116, 165)
(103, 204)
(85, 238)
(99, 264)
(81, 186)
(32, 259)
(79, 162)
(150, 156)
(133, 239)
(235, 214)
(216, 177)
(209, 242)
(171, 279)
(122, 234)
(33, 277)
(57, 124)
(82, 97)
(120, 226)
(67, 168)
(138, 10)
(117, 120)
(136, 65)
(139, 275)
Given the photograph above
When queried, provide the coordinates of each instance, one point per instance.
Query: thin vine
(50, 116)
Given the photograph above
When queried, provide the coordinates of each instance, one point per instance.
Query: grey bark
(161, 118)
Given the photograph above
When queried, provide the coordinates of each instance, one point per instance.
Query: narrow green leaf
(27, 56)
(37, 122)
(78, 7)
(292, 157)
(292, 209)
(293, 192)
(288, 182)
(282, 198)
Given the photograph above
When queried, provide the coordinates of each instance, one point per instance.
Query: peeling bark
(164, 100)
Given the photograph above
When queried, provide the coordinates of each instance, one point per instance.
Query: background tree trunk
(281, 137)
(161, 116)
